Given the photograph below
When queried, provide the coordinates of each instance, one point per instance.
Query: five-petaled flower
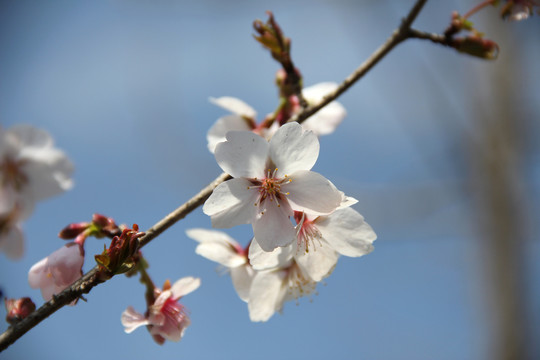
(166, 318)
(271, 181)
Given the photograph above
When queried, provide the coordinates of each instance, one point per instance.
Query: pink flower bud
(57, 271)
(18, 309)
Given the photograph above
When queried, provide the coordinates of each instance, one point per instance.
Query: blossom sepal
(121, 256)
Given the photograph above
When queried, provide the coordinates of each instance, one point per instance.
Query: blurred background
(441, 150)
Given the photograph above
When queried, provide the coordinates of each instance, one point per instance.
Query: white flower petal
(217, 246)
(318, 262)
(244, 154)
(131, 320)
(222, 126)
(273, 228)
(36, 274)
(242, 277)
(264, 260)
(234, 105)
(49, 172)
(313, 193)
(346, 201)
(293, 149)
(266, 295)
(347, 232)
(184, 286)
(220, 253)
(231, 204)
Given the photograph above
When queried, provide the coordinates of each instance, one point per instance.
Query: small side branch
(399, 35)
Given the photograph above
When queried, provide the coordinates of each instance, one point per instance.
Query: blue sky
(123, 88)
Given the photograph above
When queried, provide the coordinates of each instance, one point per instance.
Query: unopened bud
(18, 309)
(477, 46)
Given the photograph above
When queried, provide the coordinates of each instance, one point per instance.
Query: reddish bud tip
(18, 309)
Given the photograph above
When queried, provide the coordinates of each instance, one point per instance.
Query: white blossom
(270, 181)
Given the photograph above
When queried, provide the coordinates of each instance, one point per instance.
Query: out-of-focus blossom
(221, 248)
(31, 169)
(271, 180)
(166, 318)
(18, 309)
(58, 270)
(517, 10)
(243, 117)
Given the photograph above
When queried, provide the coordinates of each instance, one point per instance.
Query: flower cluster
(301, 222)
(31, 169)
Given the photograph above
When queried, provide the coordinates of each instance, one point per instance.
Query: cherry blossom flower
(270, 181)
(58, 270)
(293, 271)
(243, 117)
(221, 248)
(166, 318)
(31, 169)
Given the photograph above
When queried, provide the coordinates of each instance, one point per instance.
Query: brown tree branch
(89, 280)
(399, 35)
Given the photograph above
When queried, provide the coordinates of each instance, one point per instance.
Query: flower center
(12, 174)
(270, 187)
(298, 284)
(307, 233)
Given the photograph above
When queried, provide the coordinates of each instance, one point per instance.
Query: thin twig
(399, 35)
(89, 280)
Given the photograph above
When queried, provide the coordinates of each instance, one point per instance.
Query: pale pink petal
(347, 232)
(12, 241)
(293, 149)
(264, 260)
(326, 120)
(231, 204)
(65, 264)
(266, 295)
(274, 228)
(217, 246)
(37, 274)
(242, 277)
(184, 286)
(318, 262)
(313, 193)
(234, 105)
(222, 126)
(244, 154)
(131, 320)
